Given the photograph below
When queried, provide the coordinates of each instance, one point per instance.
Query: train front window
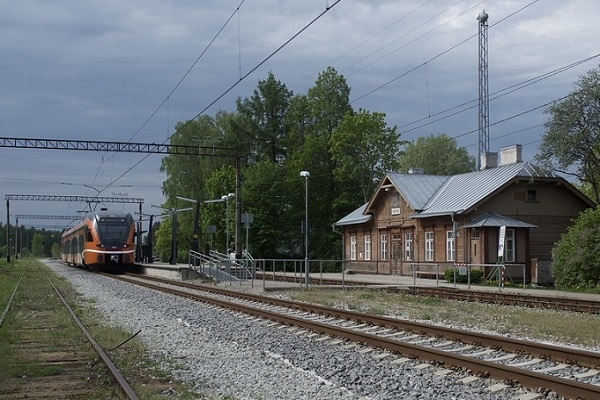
(113, 231)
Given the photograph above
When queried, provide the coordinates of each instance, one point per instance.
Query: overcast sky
(100, 70)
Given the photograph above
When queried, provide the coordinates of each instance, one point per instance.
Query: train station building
(428, 223)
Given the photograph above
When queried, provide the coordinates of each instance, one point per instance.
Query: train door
(80, 259)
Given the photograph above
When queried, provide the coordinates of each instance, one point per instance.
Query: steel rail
(527, 378)
(562, 303)
(121, 381)
(568, 355)
(10, 300)
(525, 300)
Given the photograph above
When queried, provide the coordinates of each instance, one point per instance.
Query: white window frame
(367, 240)
(450, 246)
(408, 246)
(383, 246)
(509, 246)
(429, 249)
(353, 247)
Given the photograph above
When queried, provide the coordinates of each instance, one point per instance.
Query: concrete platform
(178, 271)
(184, 272)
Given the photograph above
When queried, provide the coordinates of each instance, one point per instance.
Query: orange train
(103, 241)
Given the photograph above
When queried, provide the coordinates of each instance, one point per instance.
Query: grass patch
(147, 375)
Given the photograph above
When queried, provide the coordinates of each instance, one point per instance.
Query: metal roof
(355, 217)
(496, 220)
(464, 191)
(438, 195)
(417, 189)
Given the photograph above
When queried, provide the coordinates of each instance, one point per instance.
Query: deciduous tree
(571, 144)
(364, 148)
(436, 155)
(576, 256)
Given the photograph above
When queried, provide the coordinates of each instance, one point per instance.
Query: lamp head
(304, 174)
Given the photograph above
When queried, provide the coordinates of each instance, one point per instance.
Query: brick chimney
(489, 160)
(511, 154)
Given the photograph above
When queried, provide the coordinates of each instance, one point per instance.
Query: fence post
(321, 271)
(468, 276)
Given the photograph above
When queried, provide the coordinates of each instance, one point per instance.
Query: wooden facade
(394, 237)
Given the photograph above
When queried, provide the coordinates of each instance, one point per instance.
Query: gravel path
(228, 356)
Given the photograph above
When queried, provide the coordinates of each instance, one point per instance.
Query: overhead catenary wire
(398, 77)
(495, 95)
(166, 100)
(230, 88)
(440, 54)
(415, 39)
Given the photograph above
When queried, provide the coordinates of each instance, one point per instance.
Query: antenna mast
(484, 96)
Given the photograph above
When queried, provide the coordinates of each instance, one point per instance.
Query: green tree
(187, 175)
(263, 116)
(571, 144)
(162, 246)
(576, 256)
(220, 183)
(55, 250)
(436, 155)
(38, 245)
(266, 197)
(319, 114)
(364, 148)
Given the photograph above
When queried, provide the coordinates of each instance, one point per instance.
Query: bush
(576, 256)
(476, 276)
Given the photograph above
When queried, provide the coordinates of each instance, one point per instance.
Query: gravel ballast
(225, 355)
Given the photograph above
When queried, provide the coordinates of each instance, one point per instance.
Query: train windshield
(113, 231)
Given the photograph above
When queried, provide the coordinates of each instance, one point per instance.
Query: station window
(408, 246)
(353, 247)
(367, 247)
(450, 246)
(532, 195)
(383, 244)
(429, 246)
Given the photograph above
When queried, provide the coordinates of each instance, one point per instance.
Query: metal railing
(502, 272)
(222, 268)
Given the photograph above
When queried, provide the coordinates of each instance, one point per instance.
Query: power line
(261, 63)
(415, 39)
(167, 98)
(210, 43)
(437, 56)
(72, 183)
(495, 95)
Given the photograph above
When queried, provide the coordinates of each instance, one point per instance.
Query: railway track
(492, 297)
(52, 354)
(569, 372)
(514, 299)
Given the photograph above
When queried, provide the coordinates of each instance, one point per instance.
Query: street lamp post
(225, 198)
(305, 174)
